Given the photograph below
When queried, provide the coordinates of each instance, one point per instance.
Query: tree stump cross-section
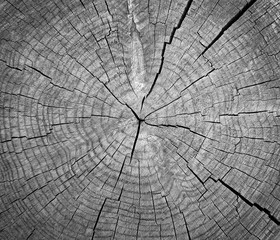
(139, 119)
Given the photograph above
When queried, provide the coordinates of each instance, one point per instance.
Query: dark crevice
(104, 84)
(81, 1)
(272, 218)
(138, 225)
(256, 84)
(103, 116)
(161, 107)
(204, 76)
(97, 219)
(171, 217)
(116, 228)
(108, 9)
(119, 198)
(38, 71)
(75, 29)
(169, 42)
(135, 140)
(30, 234)
(229, 24)
(142, 103)
(120, 172)
(192, 170)
(70, 220)
(96, 10)
(134, 113)
(12, 67)
(181, 93)
(266, 211)
(176, 126)
(243, 113)
(153, 202)
(187, 228)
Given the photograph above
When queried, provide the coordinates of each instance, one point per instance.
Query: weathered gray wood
(139, 119)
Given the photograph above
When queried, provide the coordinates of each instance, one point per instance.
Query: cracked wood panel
(139, 119)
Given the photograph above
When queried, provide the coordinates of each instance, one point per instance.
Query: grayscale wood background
(139, 119)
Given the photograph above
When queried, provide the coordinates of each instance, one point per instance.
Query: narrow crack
(186, 224)
(98, 217)
(182, 92)
(134, 113)
(266, 211)
(185, 12)
(177, 126)
(169, 208)
(228, 25)
(120, 172)
(135, 140)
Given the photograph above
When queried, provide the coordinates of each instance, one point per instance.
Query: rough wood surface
(139, 119)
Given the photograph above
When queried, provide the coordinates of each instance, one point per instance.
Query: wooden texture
(139, 119)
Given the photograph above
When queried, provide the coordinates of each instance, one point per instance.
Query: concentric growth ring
(139, 119)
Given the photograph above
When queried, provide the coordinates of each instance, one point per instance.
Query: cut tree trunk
(140, 119)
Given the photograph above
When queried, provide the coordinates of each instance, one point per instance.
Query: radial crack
(186, 224)
(135, 140)
(169, 42)
(228, 25)
(177, 126)
(266, 211)
(97, 219)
